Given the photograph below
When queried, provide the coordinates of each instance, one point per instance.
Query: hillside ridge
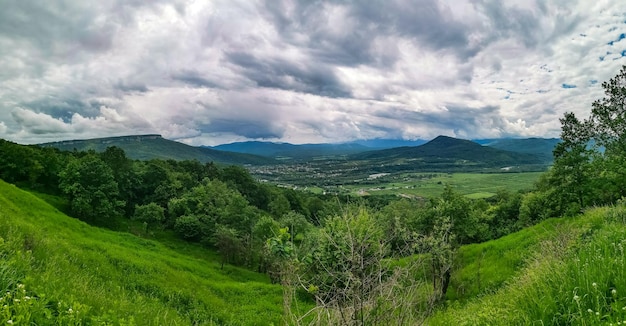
(445, 149)
(154, 146)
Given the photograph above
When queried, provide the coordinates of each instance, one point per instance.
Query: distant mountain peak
(450, 150)
(447, 141)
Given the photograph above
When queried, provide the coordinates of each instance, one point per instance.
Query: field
(473, 185)
(429, 185)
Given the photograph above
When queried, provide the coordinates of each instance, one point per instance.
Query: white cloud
(39, 123)
(210, 72)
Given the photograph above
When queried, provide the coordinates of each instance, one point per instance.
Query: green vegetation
(148, 147)
(75, 274)
(573, 277)
(430, 185)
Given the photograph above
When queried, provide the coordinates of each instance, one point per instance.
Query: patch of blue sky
(593, 82)
(619, 38)
(568, 86)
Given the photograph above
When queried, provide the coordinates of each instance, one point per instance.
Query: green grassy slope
(560, 272)
(69, 268)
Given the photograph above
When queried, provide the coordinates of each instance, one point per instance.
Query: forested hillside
(516, 258)
(147, 147)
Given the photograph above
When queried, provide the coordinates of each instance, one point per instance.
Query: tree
(210, 204)
(124, 174)
(608, 123)
(590, 163)
(228, 243)
(279, 205)
(570, 175)
(297, 224)
(347, 274)
(151, 214)
(91, 188)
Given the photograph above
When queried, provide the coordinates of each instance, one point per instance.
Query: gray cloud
(289, 75)
(302, 71)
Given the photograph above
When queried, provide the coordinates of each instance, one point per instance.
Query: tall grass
(105, 277)
(577, 277)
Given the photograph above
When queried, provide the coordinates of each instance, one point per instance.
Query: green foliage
(576, 277)
(348, 250)
(113, 278)
(91, 188)
(280, 246)
(189, 227)
(228, 243)
(297, 224)
(279, 205)
(149, 147)
(589, 163)
(151, 214)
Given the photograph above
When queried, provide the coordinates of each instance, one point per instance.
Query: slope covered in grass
(574, 273)
(66, 268)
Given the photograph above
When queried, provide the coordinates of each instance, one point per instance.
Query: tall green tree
(590, 163)
(570, 175)
(92, 191)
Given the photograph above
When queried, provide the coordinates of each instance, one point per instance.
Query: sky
(213, 72)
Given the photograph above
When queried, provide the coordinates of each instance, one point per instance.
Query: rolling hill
(84, 275)
(542, 147)
(145, 147)
(448, 150)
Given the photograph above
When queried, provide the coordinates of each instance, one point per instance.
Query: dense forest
(355, 260)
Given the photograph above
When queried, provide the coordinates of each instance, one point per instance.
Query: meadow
(574, 275)
(57, 270)
(429, 185)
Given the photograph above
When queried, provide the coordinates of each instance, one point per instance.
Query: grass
(575, 275)
(107, 277)
(473, 185)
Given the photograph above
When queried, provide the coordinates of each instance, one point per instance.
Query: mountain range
(448, 150)
(442, 149)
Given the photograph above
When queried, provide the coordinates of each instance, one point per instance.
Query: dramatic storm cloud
(209, 72)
